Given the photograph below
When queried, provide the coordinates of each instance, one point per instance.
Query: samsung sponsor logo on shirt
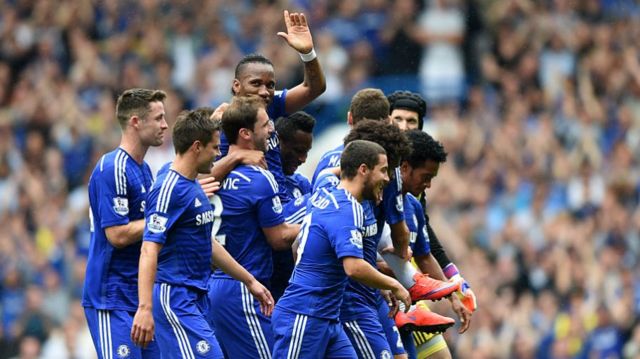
(205, 217)
(371, 230)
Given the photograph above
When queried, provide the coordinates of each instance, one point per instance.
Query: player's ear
(196, 146)
(349, 118)
(363, 169)
(405, 167)
(235, 87)
(245, 133)
(134, 121)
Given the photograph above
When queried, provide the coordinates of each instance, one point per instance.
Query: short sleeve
(421, 246)
(277, 107)
(224, 146)
(344, 228)
(393, 201)
(265, 193)
(164, 208)
(113, 195)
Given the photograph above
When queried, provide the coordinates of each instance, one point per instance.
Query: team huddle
(229, 253)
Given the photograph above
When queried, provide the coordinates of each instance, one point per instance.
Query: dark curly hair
(424, 148)
(408, 100)
(389, 136)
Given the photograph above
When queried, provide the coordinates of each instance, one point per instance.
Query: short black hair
(287, 126)
(407, 100)
(241, 113)
(251, 59)
(357, 153)
(387, 135)
(424, 148)
(192, 126)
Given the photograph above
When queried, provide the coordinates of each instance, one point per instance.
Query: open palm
(298, 35)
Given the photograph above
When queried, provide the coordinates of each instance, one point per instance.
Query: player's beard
(261, 144)
(368, 193)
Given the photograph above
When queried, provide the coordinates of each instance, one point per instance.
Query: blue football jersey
(331, 231)
(180, 217)
(250, 202)
(117, 192)
(328, 160)
(275, 110)
(325, 180)
(297, 186)
(357, 296)
(414, 216)
(393, 200)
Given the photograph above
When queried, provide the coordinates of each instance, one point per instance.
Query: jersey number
(302, 236)
(216, 202)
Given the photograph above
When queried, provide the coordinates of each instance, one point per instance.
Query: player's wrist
(308, 57)
(145, 306)
(451, 271)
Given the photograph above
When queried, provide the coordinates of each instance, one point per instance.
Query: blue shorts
(111, 334)
(240, 326)
(390, 330)
(366, 334)
(300, 336)
(181, 328)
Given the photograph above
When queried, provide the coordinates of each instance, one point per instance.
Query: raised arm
(298, 36)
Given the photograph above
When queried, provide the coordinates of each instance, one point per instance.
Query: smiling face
(416, 179)
(294, 153)
(152, 127)
(376, 180)
(262, 130)
(208, 153)
(256, 79)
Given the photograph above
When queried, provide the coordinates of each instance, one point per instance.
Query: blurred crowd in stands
(536, 101)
